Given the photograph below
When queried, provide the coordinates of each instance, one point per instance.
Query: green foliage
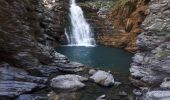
(120, 3)
(101, 3)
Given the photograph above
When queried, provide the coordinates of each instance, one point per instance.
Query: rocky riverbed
(60, 80)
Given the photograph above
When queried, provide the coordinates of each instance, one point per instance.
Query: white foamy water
(81, 34)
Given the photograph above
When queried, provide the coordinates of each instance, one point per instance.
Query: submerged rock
(68, 82)
(103, 78)
(123, 93)
(63, 96)
(158, 95)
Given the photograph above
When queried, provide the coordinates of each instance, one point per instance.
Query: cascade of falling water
(81, 34)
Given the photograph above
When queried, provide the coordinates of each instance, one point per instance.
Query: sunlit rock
(158, 95)
(103, 78)
(68, 82)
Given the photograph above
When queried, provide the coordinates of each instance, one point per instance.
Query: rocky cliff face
(126, 17)
(152, 62)
(153, 56)
(29, 30)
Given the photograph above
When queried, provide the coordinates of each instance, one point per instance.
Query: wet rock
(62, 96)
(68, 82)
(15, 81)
(70, 67)
(103, 78)
(32, 97)
(15, 88)
(102, 97)
(59, 58)
(8, 72)
(46, 70)
(158, 95)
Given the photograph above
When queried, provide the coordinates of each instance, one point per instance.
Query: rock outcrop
(152, 62)
(29, 31)
(126, 17)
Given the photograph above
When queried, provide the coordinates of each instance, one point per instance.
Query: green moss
(107, 4)
(164, 53)
(120, 3)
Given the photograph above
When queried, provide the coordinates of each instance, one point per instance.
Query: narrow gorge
(84, 50)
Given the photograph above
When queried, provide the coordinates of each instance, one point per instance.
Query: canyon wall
(152, 61)
(117, 25)
(29, 29)
(29, 25)
(151, 64)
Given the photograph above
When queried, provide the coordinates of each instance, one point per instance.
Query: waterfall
(81, 34)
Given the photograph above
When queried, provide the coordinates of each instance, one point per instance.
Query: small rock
(92, 71)
(117, 83)
(102, 97)
(103, 78)
(137, 92)
(123, 93)
(144, 88)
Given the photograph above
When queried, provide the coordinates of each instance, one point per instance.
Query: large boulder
(68, 82)
(158, 95)
(103, 78)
